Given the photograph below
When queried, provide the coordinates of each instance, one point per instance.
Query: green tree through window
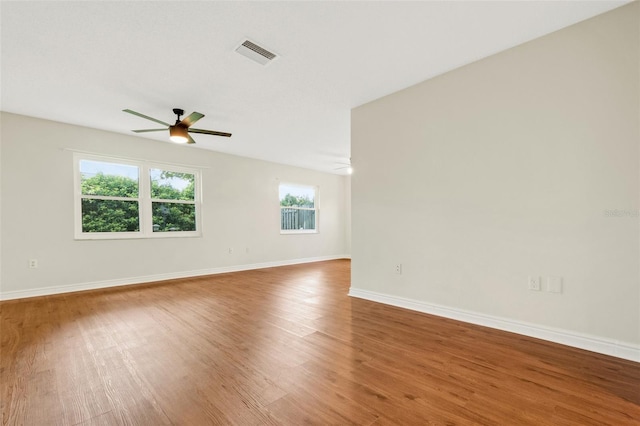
(133, 200)
(110, 195)
(173, 201)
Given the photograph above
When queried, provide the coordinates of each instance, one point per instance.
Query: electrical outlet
(230, 250)
(533, 283)
(399, 268)
(33, 263)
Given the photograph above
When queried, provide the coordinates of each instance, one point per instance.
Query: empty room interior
(330, 213)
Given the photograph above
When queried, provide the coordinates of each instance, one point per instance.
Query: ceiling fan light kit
(345, 166)
(179, 132)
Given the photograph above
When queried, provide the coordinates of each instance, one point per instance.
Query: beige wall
(505, 168)
(240, 210)
(348, 214)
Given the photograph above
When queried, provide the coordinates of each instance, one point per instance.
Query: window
(131, 199)
(173, 202)
(110, 199)
(298, 209)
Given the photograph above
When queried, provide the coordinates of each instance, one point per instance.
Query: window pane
(298, 196)
(291, 219)
(109, 216)
(168, 217)
(166, 185)
(101, 178)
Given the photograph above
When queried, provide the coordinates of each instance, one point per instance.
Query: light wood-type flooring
(287, 346)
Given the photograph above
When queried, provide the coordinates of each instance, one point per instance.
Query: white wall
(240, 210)
(505, 168)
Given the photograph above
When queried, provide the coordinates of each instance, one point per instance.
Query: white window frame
(316, 203)
(144, 199)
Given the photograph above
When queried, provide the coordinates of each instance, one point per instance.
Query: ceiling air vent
(255, 52)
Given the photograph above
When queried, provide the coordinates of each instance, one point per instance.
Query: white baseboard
(47, 291)
(614, 348)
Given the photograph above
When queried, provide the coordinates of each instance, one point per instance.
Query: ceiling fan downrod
(179, 112)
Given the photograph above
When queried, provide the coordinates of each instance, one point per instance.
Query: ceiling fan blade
(190, 141)
(191, 118)
(145, 116)
(210, 132)
(149, 130)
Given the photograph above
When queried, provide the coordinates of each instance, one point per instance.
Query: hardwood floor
(287, 346)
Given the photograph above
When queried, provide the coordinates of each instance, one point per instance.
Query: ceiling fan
(179, 132)
(345, 166)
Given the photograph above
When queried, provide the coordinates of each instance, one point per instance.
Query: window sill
(299, 232)
(135, 236)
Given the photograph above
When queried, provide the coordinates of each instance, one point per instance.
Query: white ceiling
(83, 62)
